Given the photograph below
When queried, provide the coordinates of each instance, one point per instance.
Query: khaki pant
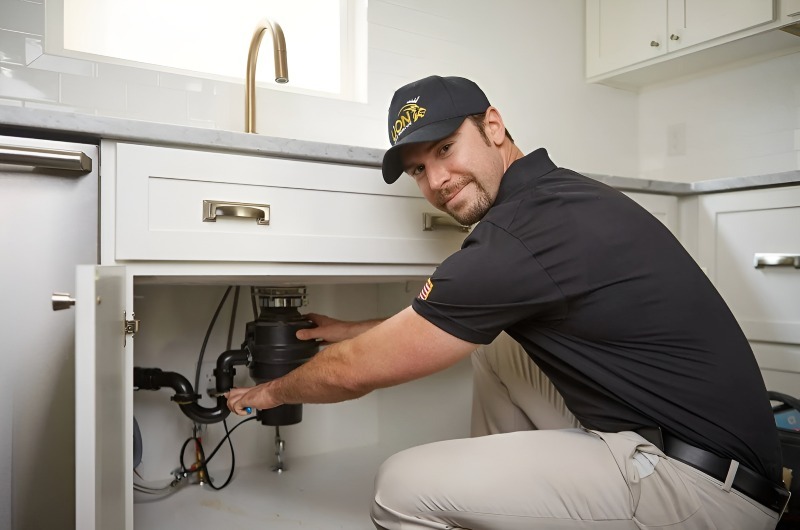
(531, 466)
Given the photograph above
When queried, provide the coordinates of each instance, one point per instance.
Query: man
(624, 329)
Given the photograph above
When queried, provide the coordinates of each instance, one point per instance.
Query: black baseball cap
(427, 110)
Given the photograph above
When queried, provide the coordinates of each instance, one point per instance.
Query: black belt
(746, 481)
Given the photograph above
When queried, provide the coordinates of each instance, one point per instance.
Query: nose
(438, 176)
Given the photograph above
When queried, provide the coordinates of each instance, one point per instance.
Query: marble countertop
(82, 127)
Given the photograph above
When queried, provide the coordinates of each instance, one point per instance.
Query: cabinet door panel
(733, 228)
(695, 21)
(318, 213)
(620, 33)
(103, 408)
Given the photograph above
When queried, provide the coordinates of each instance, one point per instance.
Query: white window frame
(353, 54)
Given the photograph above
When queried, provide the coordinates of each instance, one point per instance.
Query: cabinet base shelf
(318, 492)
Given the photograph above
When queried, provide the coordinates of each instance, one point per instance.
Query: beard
(472, 212)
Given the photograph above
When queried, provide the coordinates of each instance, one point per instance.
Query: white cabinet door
(790, 10)
(313, 212)
(623, 32)
(735, 227)
(694, 21)
(103, 409)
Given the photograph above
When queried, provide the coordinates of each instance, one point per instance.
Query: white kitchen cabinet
(358, 244)
(631, 43)
(748, 240)
(790, 10)
(623, 32)
(264, 210)
(692, 22)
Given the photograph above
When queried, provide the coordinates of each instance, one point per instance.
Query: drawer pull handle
(45, 158)
(776, 260)
(212, 209)
(432, 222)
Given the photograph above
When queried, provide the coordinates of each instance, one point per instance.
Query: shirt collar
(522, 171)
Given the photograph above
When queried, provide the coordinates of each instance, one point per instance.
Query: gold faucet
(281, 68)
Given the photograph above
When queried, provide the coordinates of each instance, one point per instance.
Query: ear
(495, 129)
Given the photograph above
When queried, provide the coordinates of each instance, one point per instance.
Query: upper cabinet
(623, 32)
(691, 22)
(632, 43)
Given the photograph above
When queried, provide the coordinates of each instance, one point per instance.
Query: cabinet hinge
(131, 327)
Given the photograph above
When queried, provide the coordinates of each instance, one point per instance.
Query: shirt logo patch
(408, 114)
(426, 290)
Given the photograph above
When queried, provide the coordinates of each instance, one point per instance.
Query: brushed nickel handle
(44, 157)
(433, 222)
(62, 301)
(212, 209)
(655, 44)
(761, 260)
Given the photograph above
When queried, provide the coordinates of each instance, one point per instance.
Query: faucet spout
(281, 67)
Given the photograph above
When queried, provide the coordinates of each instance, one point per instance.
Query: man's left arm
(400, 349)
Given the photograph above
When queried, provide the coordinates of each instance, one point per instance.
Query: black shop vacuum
(787, 419)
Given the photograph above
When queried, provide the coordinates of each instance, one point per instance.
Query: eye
(444, 149)
(417, 170)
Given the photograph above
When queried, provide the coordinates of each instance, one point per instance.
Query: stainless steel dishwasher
(48, 225)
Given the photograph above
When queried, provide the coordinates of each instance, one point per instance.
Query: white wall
(739, 121)
(528, 57)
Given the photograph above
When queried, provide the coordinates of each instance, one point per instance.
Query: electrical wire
(205, 340)
(233, 317)
(201, 465)
(253, 301)
(198, 466)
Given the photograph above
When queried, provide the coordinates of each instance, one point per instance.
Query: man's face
(459, 174)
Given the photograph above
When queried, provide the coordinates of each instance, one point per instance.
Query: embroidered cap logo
(426, 290)
(408, 114)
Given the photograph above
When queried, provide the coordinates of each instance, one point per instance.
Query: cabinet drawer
(735, 227)
(316, 212)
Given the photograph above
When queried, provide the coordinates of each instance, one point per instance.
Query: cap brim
(392, 166)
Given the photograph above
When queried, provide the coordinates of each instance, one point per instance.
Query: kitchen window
(325, 39)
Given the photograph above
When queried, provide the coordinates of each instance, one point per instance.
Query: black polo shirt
(612, 308)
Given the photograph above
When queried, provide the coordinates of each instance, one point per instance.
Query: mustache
(445, 194)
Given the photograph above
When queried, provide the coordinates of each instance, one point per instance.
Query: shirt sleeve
(493, 283)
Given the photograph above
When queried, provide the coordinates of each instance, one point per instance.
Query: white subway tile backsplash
(12, 47)
(157, 104)
(183, 82)
(25, 17)
(739, 121)
(25, 83)
(92, 92)
(127, 74)
(200, 107)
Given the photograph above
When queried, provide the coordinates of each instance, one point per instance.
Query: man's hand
(257, 397)
(331, 330)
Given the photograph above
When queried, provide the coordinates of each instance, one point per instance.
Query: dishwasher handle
(45, 158)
